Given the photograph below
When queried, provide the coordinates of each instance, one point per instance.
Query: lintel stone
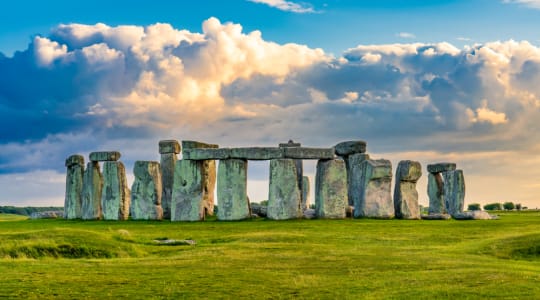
(196, 144)
(441, 167)
(308, 153)
(350, 147)
(206, 154)
(105, 156)
(257, 153)
(169, 146)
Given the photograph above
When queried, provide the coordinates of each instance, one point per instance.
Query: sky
(431, 81)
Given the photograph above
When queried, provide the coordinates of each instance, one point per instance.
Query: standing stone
(405, 194)
(74, 186)
(168, 150)
(284, 198)
(146, 191)
(115, 198)
(91, 195)
(299, 171)
(353, 160)
(371, 189)
(209, 174)
(454, 191)
(435, 190)
(232, 190)
(331, 189)
(305, 192)
(188, 194)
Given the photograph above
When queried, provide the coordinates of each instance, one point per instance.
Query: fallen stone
(454, 191)
(435, 190)
(167, 166)
(372, 189)
(305, 192)
(259, 210)
(146, 191)
(436, 217)
(284, 200)
(91, 194)
(232, 190)
(187, 195)
(171, 242)
(206, 154)
(74, 187)
(50, 214)
(441, 167)
(309, 213)
(257, 153)
(105, 156)
(308, 153)
(405, 193)
(353, 160)
(473, 215)
(350, 147)
(169, 146)
(115, 198)
(331, 189)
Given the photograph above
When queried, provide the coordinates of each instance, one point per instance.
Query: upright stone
(209, 174)
(305, 192)
(454, 191)
(188, 194)
(232, 190)
(405, 194)
(353, 160)
(115, 198)
(331, 189)
(371, 189)
(74, 187)
(284, 198)
(146, 191)
(168, 150)
(91, 195)
(435, 190)
(299, 171)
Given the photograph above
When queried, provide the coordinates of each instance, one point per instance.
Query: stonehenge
(347, 182)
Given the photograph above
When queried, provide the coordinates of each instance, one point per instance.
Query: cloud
(529, 3)
(287, 5)
(406, 35)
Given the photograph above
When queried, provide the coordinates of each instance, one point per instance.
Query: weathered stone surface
(74, 187)
(105, 156)
(195, 144)
(115, 198)
(371, 181)
(305, 192)
(454, 191)
(92, 189)
(290, 143)
(405, 194)
(209, 185)
(50, 214)
(474, 215)
(331, 189)
(284, 200)
(232, 190)
(353, 160)
(206, 154)
(441, 167)
(435, 190)
(169, 146)
(309, 214)
(75, 160)
(436, 216)
(299, 172)
(350, 147)
(259, 210)
(308, 153)
(167, 165)
(257, 153)
(188, 194)
(146, 191)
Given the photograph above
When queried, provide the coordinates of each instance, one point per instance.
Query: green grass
(315, 259)
(11, 217)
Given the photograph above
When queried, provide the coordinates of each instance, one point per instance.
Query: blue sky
(422, 80)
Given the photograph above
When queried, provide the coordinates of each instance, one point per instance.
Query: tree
(508, 206)
(493, 206)
(474, 206)
(518, 206)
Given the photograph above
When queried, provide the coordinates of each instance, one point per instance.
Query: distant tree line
(26, 211)
(496, 206)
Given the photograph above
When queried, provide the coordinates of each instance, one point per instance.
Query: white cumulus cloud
(287, 5)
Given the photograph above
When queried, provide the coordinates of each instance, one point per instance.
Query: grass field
(316, 259)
